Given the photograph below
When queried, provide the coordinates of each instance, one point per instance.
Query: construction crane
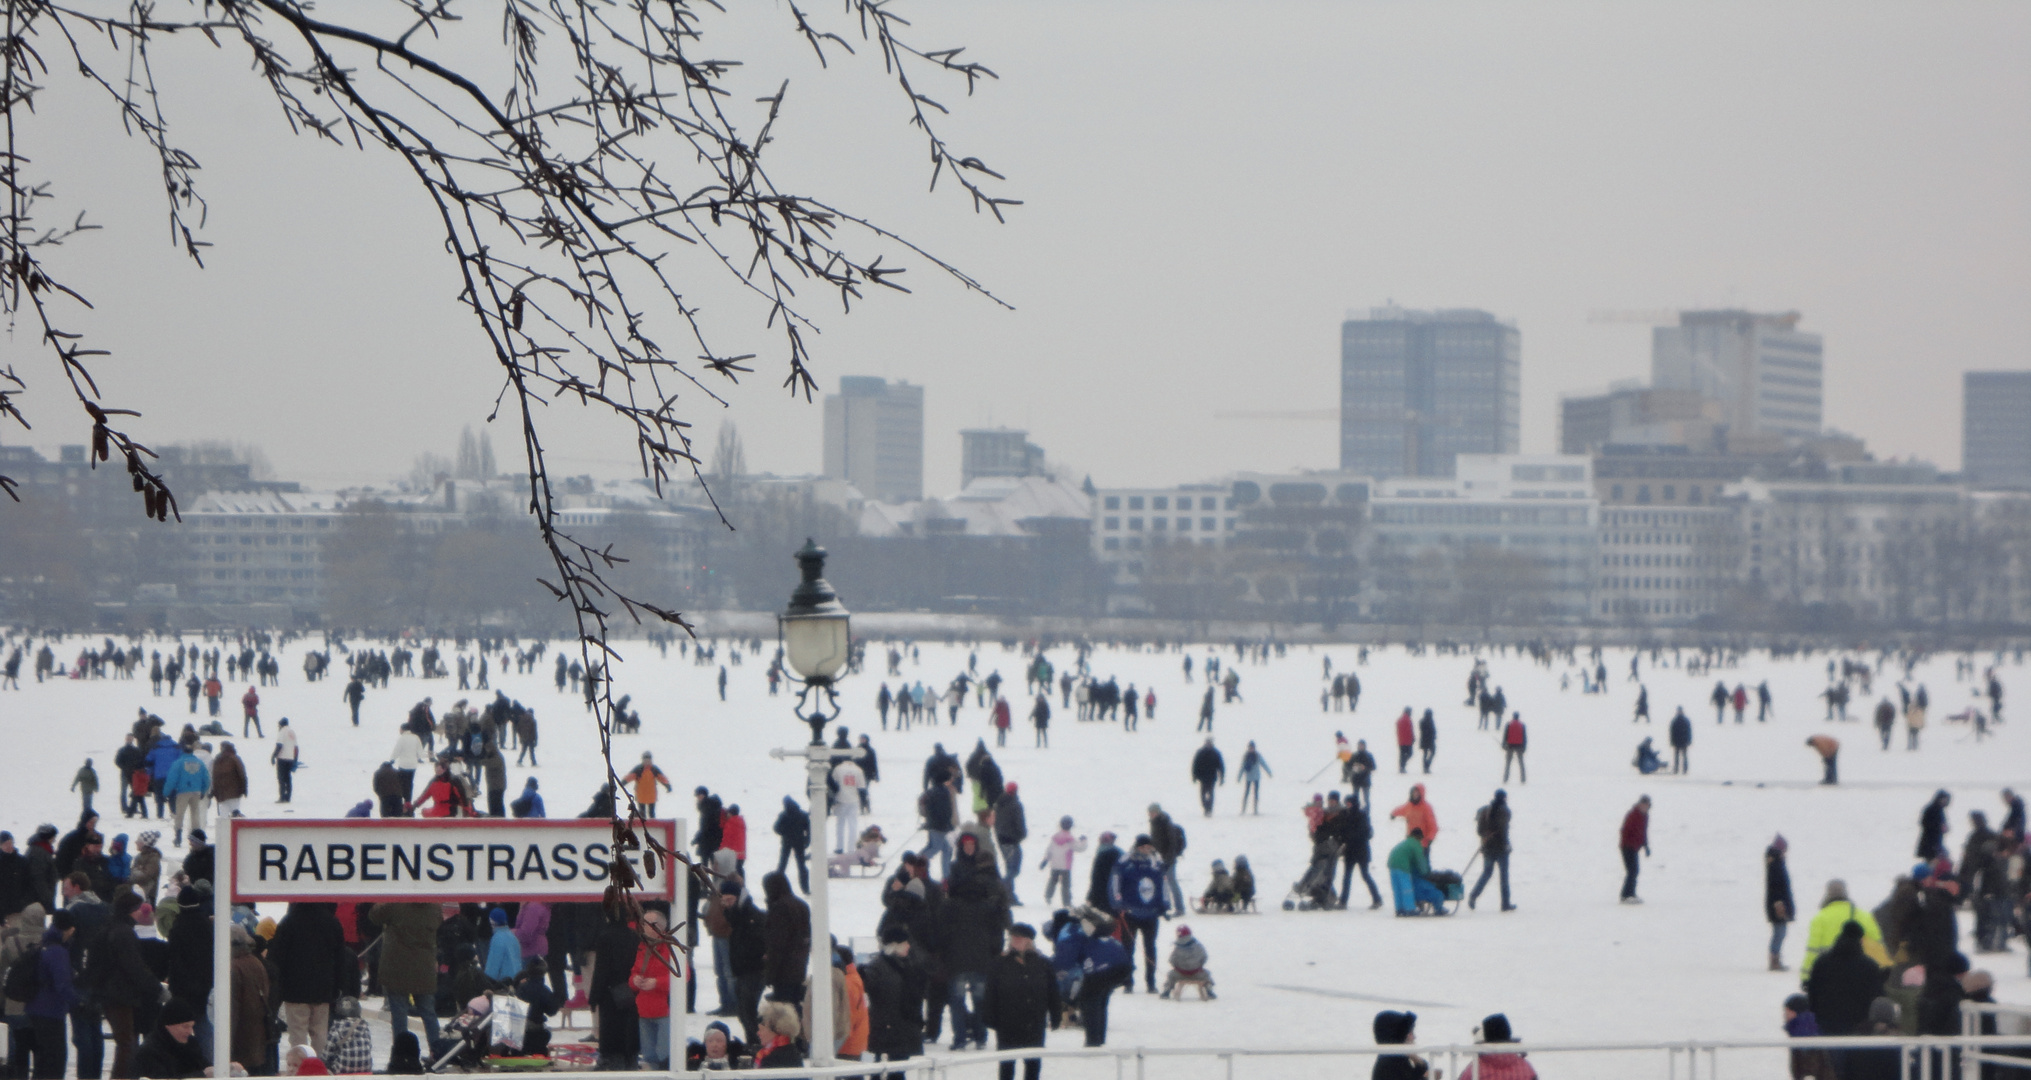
(1653, 317)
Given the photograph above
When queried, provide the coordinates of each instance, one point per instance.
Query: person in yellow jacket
(1836, 911)
(645, 777)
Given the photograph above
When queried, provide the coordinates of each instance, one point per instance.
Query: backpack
(1481, 821)
(1178, 834)
(25, 977)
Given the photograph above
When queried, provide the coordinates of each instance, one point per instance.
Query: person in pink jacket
(1058, 860)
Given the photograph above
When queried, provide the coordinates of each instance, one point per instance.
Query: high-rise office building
(1418, 388)
(874, 437)
(997, 452)
(1995, 429)
(1765, 372)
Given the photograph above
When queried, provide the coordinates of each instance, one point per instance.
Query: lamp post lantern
(817, 643)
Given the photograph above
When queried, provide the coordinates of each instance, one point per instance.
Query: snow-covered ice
(1572, 964)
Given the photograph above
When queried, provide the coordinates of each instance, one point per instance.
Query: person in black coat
(1353, 829)
(190, 946)
(786, 940)
(1397, 1028)
(1778, 907)
(1428, 737)
(14, 889)
(1681, 742)
(610, 995)
(1932, 827)
(1022, 996)
(309, 955)
(122, 982)
(895, 999)
(1104, 858)
(793, 832)
(172, 1051)
(1208, 769)
(1843, 983)
(970, 925)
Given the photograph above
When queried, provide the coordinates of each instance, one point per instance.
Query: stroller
(1314, 891)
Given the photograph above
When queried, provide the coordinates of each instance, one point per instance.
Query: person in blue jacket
(1068, 953)
(504, 952)
(55, 997)
(1137, 892)
(1106, 966)
(160, 757)
(185, 786)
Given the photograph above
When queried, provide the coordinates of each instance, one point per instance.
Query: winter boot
(1777, 964)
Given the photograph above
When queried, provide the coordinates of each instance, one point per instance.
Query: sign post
(436, 860)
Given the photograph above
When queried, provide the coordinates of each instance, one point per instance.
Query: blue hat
(498, 916)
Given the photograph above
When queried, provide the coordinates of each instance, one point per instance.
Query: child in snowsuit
(1188, 964)
(1220, 894)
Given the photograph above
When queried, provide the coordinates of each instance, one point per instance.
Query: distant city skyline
(1538, 162)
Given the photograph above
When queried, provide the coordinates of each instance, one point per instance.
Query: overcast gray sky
(1209, 187)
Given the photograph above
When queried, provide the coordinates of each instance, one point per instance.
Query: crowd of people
(113, 940)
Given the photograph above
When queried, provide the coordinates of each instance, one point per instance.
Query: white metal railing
(2008, 1020)
(1923, 1057)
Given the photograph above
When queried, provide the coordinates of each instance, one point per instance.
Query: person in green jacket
(1409, 869)
(1836, 911)
(86, 784)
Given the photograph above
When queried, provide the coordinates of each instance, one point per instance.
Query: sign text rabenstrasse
(470, 858)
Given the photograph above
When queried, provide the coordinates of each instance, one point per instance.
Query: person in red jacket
(733, 833)
(1406, 741)
(446, 797)
(1635, 838)
(651, 982)
(250, 708)
(1514, 740)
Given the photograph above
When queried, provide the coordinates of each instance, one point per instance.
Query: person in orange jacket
(1417, 815)
(645, 777)
(1829, 752)
(1406, 740)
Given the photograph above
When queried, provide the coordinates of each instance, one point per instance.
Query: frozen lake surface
(1572, 964)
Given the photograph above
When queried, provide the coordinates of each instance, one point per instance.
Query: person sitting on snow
(1647, 758)
(1220, 894)
(1244, 883)
(868, 852)
(1188, 964)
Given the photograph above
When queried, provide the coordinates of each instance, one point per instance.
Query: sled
(1451, 891)
(1238, 907)
(858, 871)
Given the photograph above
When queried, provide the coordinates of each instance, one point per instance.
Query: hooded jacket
(187, 777)
(1418, 814)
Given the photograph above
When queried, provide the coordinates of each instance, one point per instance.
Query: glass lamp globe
(815, 626)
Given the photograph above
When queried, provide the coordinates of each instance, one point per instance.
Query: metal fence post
(1229, 1059)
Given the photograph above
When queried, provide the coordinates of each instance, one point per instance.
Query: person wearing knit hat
(1188, 965)
(171, 1050)
(504, 950)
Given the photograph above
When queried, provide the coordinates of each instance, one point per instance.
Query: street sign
(445, 859)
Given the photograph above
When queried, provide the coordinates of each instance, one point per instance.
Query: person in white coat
(284, 756)
(1058, 860)
(852, 779)
(408, 757)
